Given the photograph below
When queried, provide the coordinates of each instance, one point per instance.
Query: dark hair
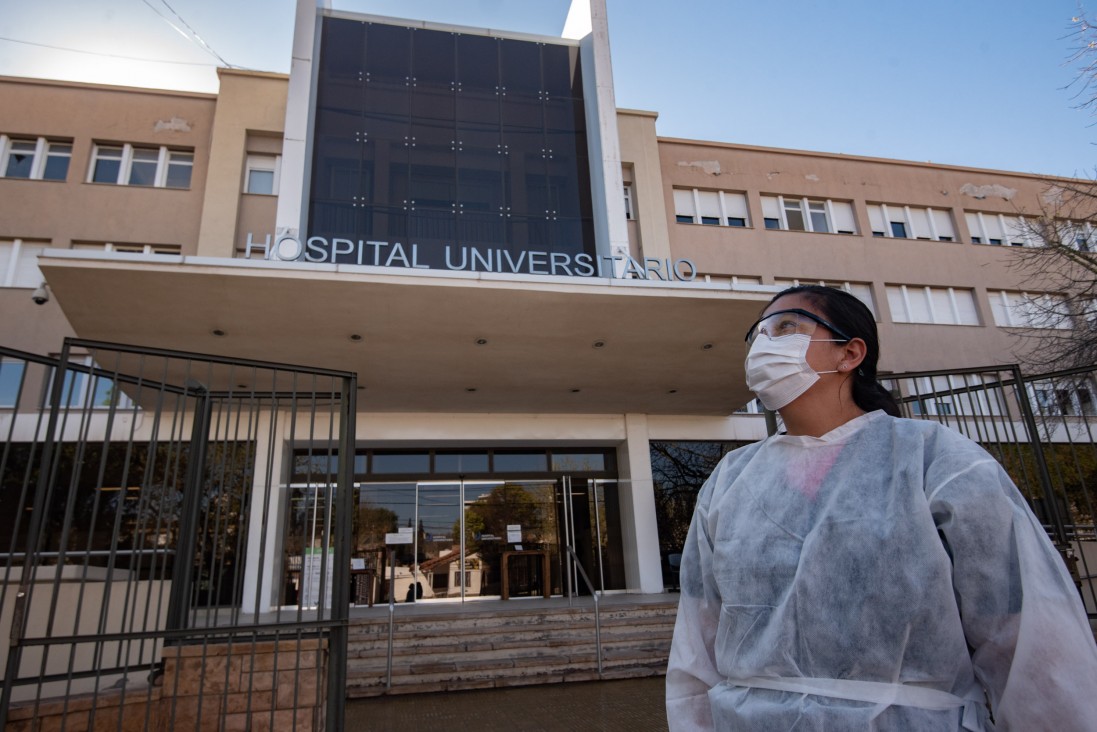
(853, 318)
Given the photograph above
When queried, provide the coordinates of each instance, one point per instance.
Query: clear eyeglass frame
(793, 321)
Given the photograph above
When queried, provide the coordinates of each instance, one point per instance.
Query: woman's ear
(853, 353)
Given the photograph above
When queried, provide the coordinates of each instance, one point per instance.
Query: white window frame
(934, 317)
(1013, 301)
(903, 214)
(1005, 226)
(846, 285)
(165, 158)
(273, 164)
(804, 206)
(1047, 397)
(722, 203)
(43, 150)
(161, 250)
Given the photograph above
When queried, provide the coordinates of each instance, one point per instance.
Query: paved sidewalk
(629, 705)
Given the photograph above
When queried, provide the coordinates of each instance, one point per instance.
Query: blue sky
(963, 82)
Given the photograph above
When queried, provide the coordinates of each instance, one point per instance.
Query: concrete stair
(512, 644)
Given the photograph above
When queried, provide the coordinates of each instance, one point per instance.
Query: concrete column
(267, 509)
(639, 531)
(610, 225)
(294, 178)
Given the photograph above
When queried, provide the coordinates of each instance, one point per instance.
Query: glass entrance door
(463, 533)
(591, 526)
(470, 538)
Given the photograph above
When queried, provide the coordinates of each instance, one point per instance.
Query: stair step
(508, 647)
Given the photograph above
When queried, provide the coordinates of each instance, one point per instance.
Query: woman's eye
(786, 326)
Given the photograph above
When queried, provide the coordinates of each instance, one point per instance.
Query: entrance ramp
(509, 643)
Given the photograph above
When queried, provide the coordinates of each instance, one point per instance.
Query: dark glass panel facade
(456, 151)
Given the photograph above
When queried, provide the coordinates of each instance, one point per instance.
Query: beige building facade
(152, 217)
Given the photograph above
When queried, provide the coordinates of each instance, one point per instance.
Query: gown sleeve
(691, 669)
(1031, 644)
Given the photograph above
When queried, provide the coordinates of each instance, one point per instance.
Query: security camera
(40, 296)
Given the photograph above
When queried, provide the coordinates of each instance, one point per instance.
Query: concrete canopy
(431, 341)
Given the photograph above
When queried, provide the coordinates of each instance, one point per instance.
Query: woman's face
(821, 356)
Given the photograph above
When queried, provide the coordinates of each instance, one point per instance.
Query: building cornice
(862, 158)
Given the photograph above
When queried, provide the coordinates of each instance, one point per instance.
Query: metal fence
(142, 497)
(1042, 428)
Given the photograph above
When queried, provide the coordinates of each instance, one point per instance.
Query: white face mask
(777, 368)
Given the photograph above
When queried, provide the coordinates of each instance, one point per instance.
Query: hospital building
(429, 319)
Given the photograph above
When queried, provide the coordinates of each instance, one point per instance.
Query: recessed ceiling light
(672, 391)
(481, 341)
(241, 386)
(218, 332)
(706, 347)
(470, 389)
(599, 343)
(355, 336)
(576, 391)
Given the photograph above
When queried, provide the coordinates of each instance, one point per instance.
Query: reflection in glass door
(458, 554)
(463, 533)
(513, 521)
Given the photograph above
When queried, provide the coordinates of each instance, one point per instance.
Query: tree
(1062, 265)
(679, 469)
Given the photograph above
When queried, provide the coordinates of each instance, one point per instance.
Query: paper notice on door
(514, 533)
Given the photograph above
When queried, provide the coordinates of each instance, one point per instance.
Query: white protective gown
(877, 578)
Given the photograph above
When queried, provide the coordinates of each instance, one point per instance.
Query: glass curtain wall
(448, 150)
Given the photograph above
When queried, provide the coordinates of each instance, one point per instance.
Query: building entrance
(470, 539)
(484, 522)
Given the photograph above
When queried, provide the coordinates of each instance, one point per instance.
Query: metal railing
(1043, 430)
(597, 609)
(141, 490)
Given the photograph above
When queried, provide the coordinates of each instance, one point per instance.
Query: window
(11, 381)
(19, 263)
(82, 389)
(1065, 397)
(127, 165)
(895, 221)
(1075, 234)
(938, 305)
(710, 208)
(818, 213)
(262, 175)
(146, 249)
(999, 230)
(1025, 310)
(951, 394)
(860, 290)
(34, 157)
(794, 215)
(628, 202)
(802, 214)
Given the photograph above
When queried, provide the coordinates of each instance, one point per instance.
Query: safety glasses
(794, 321)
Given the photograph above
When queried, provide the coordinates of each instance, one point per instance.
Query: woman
(863, 572)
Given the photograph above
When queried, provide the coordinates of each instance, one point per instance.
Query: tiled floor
(632, 705)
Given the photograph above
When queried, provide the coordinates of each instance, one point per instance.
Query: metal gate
(1043, 429)
(142, 493)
